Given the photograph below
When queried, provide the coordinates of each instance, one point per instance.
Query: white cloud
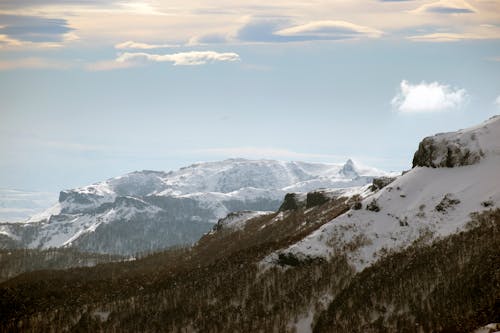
(428, 97)
(443, 37)
(447, 7)
(141, 46)
(497, 101)
(107, 65)
(182, 58)
(330, 29)
(135, 59)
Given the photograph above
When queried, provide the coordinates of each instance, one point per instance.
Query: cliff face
(439, 152)
(464, 147)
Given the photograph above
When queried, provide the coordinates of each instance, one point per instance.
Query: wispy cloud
(427, 97)
(329, 30)
(210, 38)
(483, 31)
(447, 7)
(28, 3)
(191, 58)
(280, 30)
(258, 152)
(33, 63)
(33, 28)
(444, 37)
(128, 45)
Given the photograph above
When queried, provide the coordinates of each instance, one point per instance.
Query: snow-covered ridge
(464, 147)
(422, 205)
(177, 202)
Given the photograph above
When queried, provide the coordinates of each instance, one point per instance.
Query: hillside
(415, 253)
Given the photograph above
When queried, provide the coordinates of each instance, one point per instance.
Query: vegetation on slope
(450, 286)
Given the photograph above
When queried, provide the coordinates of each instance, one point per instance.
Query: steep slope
(424, 204)
(451, 286)
(149, 210)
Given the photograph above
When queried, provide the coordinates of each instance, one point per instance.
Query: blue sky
(91, 90)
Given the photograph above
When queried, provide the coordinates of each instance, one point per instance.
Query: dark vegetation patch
(447, 202)
(373, 206)
(213, 287)
(16, 261)
(451, 286)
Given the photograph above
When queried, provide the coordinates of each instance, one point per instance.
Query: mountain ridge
(174, 207)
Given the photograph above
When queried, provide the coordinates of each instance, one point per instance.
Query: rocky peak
(460, 148)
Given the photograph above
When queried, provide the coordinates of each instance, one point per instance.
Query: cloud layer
(329, 30)
(191, 58)
(427, 97)
(33, 28)
(447, 7)
(129, 45)
(280, 30)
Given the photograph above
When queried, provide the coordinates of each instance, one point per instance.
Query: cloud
(280, 30)
(271, 153)
(29, 3)
(427, 97)
(447, 7)
(444, 37)
(439, 34)
(192, 58)
(212, 38)
(141, 46)
(497, 101)
(181, 59)
(32, 63)
(330, 30)
(33, 28)
(262, 30)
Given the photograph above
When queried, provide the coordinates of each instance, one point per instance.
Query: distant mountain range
(151, 210)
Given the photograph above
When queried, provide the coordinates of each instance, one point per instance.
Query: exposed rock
(448, 201)
(447, 151)
(373, 206)
(292, 201)
(316, 198)
(381, 182)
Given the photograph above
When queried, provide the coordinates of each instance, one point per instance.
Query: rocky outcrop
(316, 198)
(381, 182)
(444, 153)
(292, 201)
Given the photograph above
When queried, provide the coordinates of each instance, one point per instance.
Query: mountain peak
(349, 169)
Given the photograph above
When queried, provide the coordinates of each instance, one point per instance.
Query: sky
(97, 88)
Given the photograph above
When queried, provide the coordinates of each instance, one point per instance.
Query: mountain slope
(326, 261)
(149, 210)
(424, 204)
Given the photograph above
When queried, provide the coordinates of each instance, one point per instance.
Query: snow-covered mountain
(149, 210)
(455, 176)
